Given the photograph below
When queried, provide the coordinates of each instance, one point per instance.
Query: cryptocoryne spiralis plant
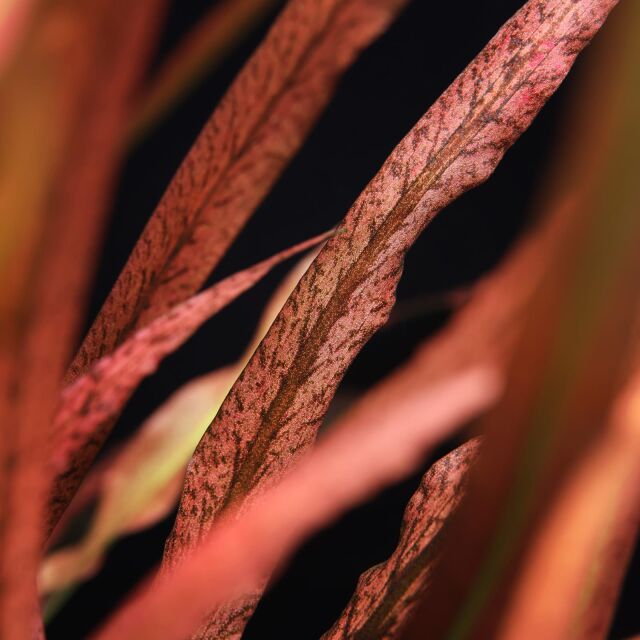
(523, 530)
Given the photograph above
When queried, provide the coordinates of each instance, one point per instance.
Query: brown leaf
(387, 593)
(353, 461)
(249, 139)
(273, 412)
(87, 406)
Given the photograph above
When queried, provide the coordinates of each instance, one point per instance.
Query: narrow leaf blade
(89, 405)
(249, 139)
(350, 464)
(274, 410)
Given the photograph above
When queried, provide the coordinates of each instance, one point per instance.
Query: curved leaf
(249, 139)
(88, 406)
(354, 460)
(386, 594)
(275, 408)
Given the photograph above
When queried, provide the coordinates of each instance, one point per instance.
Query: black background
(377, 102)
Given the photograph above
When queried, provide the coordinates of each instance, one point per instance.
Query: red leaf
(249, 139)
(51, 207)
(89, 404)
(274, 410)
(387, 593)
(354, 460)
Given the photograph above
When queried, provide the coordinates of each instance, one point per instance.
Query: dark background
(378, 101)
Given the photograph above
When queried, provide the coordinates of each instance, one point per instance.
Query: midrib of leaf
(245, 478)
(185, 237)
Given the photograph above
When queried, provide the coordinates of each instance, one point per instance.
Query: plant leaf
(273, 411)
(141, 483)
(573, 571)
(487, 327)
(386, 594)
(355, 459)
(249, 139)
(88, 406)
(47, 98)
(200, 51)
(575, 353)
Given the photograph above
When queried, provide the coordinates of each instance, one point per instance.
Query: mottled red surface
(88, 406)
(248, 141)
(273, 412)
(356, 459)
(387, 593)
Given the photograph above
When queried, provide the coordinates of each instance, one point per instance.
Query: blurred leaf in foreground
(575, 353)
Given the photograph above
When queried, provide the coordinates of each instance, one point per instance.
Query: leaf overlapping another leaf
(487, 329)
(141, 482)
(273, 411)
(355, 459)
(88, 405)
(249, 139)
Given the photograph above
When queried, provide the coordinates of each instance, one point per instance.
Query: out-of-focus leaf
(353, 461)
(60, 64)
(200, 51)
(87, 406)
(574, 355)
(573, 571)
(386, 593)
(275, 408)
(142, 482)
(14, 21)
(249, 139)
(487, 327)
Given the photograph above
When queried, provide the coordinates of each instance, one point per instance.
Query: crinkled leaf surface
(386, 593)
(273, 411)
(486, 329)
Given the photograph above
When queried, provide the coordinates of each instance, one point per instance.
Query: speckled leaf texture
(386, 593)
(249, 139)
(354, 460)
(88, 406)
(273, 412)
(51, 210)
